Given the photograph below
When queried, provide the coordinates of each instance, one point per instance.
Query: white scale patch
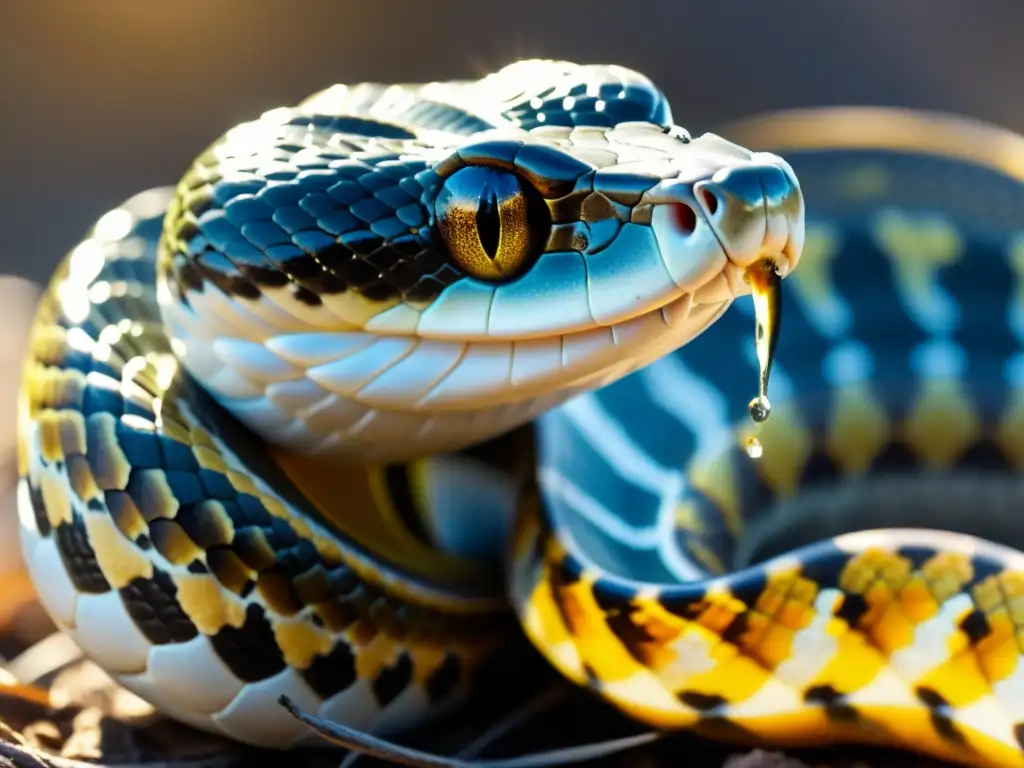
(46, 569)
(190, 674)
(885, 690)
(255, 716)
(108, 635)
(692, 656)
(643, 689)
(930, 645)
(812, 647)
(989, 717)
(770, 700)
(1008, 695)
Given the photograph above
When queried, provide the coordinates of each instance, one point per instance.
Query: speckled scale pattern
(347, 218)
(662, 568)
(141, 492)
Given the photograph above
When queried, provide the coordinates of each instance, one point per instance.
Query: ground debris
(58, 710)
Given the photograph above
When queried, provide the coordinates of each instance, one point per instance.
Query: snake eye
(493, 222)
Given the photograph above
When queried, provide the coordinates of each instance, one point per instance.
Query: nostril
(684, 217)
(710, 201)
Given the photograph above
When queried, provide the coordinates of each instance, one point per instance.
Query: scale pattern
(169, 545)
(845, 584)
(653, 560)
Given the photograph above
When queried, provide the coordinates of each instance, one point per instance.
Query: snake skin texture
(860, 581)
(284, 432)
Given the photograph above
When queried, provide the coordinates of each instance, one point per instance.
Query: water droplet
(760, 409)
(754, 448)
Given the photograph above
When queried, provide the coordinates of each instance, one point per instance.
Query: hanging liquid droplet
(760, 409)
(754, 449)
(766, 290)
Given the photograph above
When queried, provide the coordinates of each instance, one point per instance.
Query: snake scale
(404, 372)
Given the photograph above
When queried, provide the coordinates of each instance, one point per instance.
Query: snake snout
(756, 210)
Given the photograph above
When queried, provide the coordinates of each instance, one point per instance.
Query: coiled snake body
(282, 426)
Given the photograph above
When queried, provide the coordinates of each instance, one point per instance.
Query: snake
(405, 373)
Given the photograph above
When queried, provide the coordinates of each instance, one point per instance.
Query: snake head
(623, 241)
(418, 268)
(567, 230)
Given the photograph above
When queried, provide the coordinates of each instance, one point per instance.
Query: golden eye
(493, 223)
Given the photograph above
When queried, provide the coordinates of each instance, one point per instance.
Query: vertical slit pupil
(488, 222)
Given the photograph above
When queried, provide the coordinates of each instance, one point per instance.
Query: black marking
(391, 681)
(632, 636)
(820, 469)
(930, 697)
(198, 567)
(939, 707)
(251, 651)
(947, 729)
(985, 455)
(1018, 733)
(687, 606)
(917, 554)
(975, 625)
(442, 681)
(332, 673)
(564, 573)
(725, 730)
(153, 606)
(895, 457)
(79, 558)
(833, 702)
(307, 297)
(853, 608)
(823, 694)
(704, 702)
(593, 681)
(39, 510)
(736, 628)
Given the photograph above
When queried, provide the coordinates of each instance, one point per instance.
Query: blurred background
(101, 99)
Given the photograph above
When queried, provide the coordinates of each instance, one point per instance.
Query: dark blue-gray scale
(334, 203)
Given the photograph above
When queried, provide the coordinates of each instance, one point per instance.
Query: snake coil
(405, 370)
